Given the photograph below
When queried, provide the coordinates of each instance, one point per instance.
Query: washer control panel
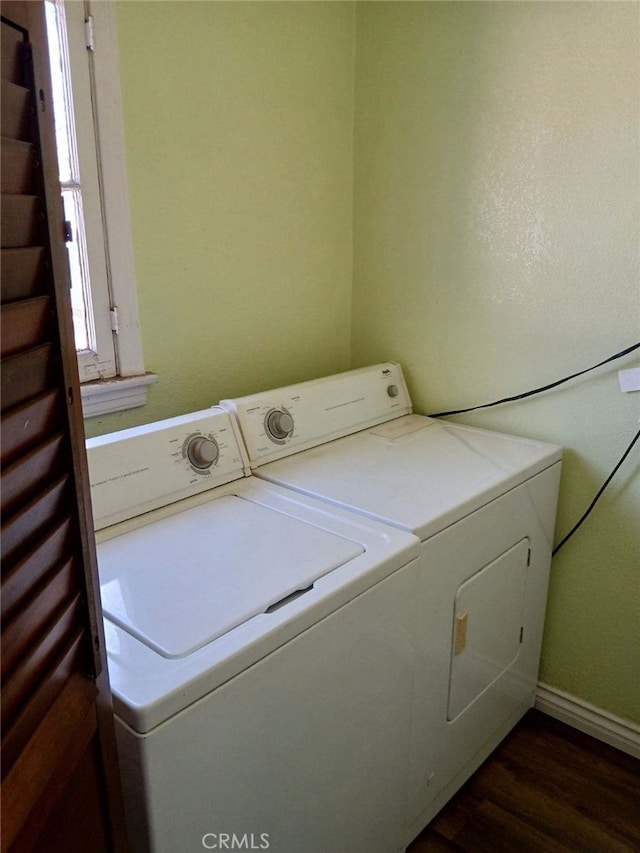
(139, 469)
(284, 421)
(202, 451)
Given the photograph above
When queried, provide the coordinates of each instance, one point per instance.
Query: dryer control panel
(140, 469)
(286, 420)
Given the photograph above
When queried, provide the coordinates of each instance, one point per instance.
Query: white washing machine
(261, 649)
(483, 505)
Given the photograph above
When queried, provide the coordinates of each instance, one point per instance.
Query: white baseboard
(616, 731)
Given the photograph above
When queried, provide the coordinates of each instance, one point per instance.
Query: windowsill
(115, 395)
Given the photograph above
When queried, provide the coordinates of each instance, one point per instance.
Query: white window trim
(81, 174)
(115, 395)
(129, 388)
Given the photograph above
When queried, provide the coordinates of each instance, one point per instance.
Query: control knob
(279, 424)
(202, 452)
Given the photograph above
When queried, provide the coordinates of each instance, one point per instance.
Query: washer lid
(181, 582)
(414, 473)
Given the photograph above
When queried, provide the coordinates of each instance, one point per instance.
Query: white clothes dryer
(261, 650)
(483, 505)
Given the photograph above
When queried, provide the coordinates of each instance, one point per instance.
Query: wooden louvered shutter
(60, 782)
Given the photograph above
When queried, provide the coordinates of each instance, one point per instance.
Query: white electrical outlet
(629, 379)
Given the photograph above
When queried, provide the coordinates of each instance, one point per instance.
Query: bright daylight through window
(90, 143)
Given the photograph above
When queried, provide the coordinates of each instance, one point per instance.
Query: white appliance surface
(136, 470)
(415, 473)
(486, 634)
(483, 505)
(261, 648)
(170, 561)
(308, 746)
(278, 423)
(163, 652)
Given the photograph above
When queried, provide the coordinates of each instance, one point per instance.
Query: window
(90, 141)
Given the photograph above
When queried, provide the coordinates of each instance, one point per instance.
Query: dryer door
(487, 626)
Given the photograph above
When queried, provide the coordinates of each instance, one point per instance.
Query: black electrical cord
(547, 388)
(597, 497)
(537, 390)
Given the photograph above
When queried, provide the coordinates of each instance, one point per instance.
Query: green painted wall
(239, 132)
(484, 218)
(497, 213)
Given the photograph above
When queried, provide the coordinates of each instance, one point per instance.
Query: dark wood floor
(547, 789)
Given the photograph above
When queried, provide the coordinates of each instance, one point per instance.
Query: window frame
(115, 382)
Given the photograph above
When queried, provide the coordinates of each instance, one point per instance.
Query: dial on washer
(279, 424)
(202, 452)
